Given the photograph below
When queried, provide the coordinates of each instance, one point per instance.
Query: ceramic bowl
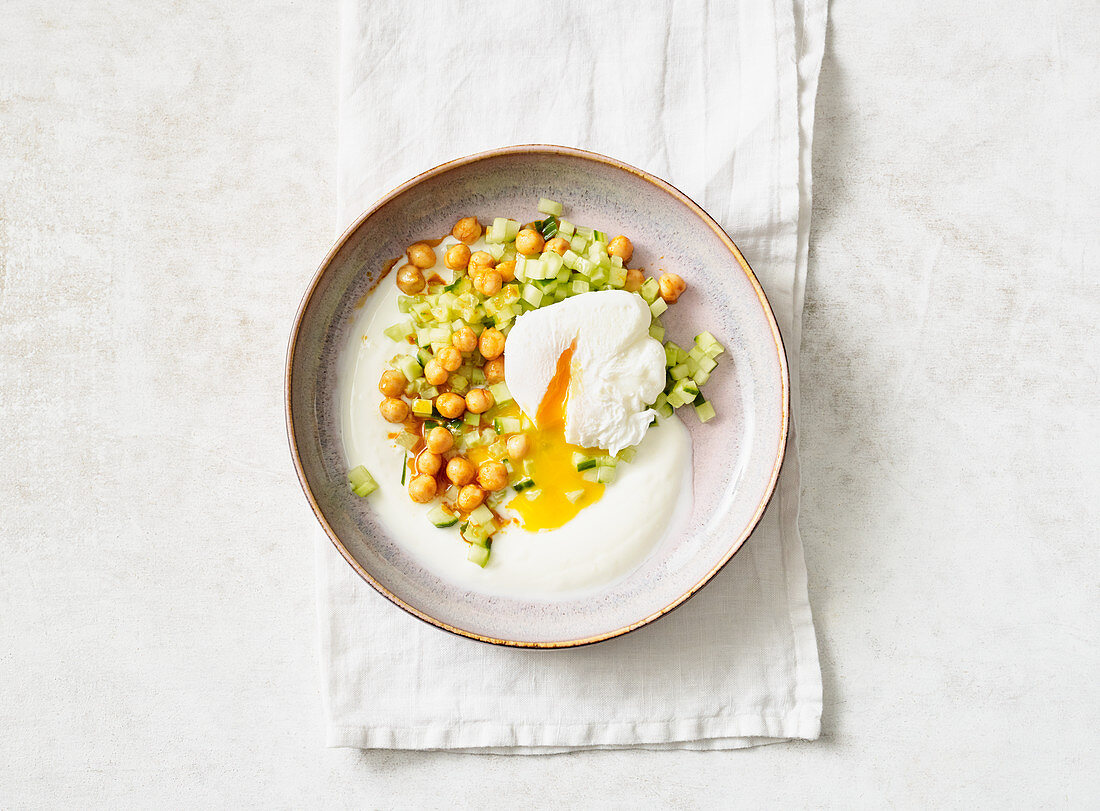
(737, 455)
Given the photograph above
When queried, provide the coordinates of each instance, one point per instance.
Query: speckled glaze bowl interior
(737, 455)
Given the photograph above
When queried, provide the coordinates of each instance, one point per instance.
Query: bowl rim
(675, 193)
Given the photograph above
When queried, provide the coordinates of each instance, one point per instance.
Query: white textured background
(166, 189)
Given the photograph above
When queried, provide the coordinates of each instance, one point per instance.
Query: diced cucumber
(707, 364)
(509, 425)
(584, 231)
(600, 236)
(500, 393)
(523, 484)
(574, 496)
(598, 276)
(429, 392)
(580, 286)
(406, 440)
(565, 228)
(470, 418)
(532, 493)
(671, 351)
(705, 339)
(605, 475)
(679, 371)
(478, 554)
(511, 229)
(482, 516)
(704, 410)
(701, 377)
(627, 454)
(404, 469)
(459, 384)
(649, 290)
(656, 331)
(587, 464)
(532, 295)
(584, 267)
(547, 206)
(404, 303)
(658, 307)
(399, 331)
(664, 409)
(495, 251)
(422, 407)
(578, 243)
(617, 276)
(441, 518)
(475, 534)
(591, 475)
(362, 483)
(407, 365)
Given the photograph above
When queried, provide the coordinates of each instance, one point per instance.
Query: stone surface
(166, 189)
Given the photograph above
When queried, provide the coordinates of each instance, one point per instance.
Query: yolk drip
(564, 491)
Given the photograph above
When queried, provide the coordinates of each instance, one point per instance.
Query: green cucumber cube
(478, 554)
(704, 410)
(362, 483)
(547, 206)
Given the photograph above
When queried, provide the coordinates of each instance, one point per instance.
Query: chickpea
(460, 471)
(392, 383)
(672, 286)
(465, 340)
(470, 497)
(488, 282)
(492, 475)
(518, 445)
(439, 440)
(429, 463)
(621, 247)
(457, 257)
(410, 280)
(507, 270)
(529, 241)
(491, 343)
(558, 245)
(422, 489)
(450, 405)
(480, 261)
(634, 280)
(434, 373)
(468, 229)
(494, 370)
(393, 409)
(421, 255)
(449, 358)
(478, 401)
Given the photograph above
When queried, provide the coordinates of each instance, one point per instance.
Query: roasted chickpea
(421, 255)
(470, 497)
(529, 241)
(558, 245)
(468, 229)
(422, 489)
(491, 343)
(480, 261)
(392, 383)
(449, 358)
(428, 463)
(393, 409)
(492, 475)
(434, 373)
(634, 280)
(518, 445)
(460, 471)
(457, 257)
(672, 286)
(410, 280)
(621, 247)
(478, 401)
(494, 370)
(439, 440)
(507, 270)
(465, 340)
(450, 405)
(488, 282)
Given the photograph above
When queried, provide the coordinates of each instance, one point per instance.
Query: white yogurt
(650, 498)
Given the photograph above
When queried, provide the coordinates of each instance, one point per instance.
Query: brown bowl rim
(668, 188)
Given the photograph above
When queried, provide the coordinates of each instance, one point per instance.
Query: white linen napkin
(718, 99)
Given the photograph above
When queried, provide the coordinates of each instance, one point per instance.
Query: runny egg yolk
(549, 463)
